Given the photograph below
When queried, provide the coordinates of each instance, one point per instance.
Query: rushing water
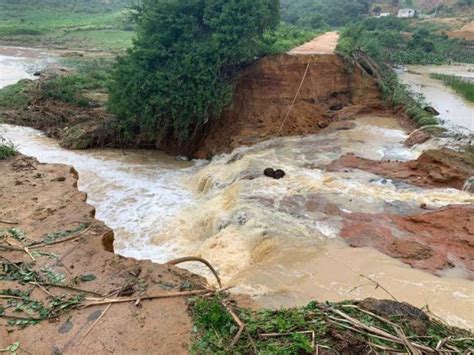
(274, 240)
(454, 110)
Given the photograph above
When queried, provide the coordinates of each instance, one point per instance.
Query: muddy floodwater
(21, 63)
(272, 239)
(457, 112)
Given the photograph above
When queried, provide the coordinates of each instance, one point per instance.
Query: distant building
(406, 13)
(383, 14)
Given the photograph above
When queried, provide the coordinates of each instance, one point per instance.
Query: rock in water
(269, 172)
(431, 110)
(279, 174)
(275, 174)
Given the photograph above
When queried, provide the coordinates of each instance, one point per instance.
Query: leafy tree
(321, 13)
(175, 78)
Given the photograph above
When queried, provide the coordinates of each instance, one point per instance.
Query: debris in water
(275, 174)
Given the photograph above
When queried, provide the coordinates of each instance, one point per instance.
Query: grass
(287, 37)
(7, 149)
(90, 76)
(300, 330)
(14, 96)
(462, 87)
(60, 27)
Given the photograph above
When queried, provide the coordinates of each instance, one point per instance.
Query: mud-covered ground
(40, 207)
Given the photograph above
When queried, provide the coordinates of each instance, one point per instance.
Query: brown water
(20, 63)
(454, 109)
(262, 234)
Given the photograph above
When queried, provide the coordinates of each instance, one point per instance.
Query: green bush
(175, 79)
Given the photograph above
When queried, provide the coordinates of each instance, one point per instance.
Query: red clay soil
(433, 241)
(44, 199)
(332, 91)
(434, 168)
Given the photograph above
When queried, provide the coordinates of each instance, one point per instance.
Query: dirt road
(324, 44)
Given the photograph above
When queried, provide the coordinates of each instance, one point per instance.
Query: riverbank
(64, 291)
(69, 265)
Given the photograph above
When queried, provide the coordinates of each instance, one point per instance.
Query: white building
(406, 13)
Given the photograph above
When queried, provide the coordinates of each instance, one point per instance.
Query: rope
(294, 100)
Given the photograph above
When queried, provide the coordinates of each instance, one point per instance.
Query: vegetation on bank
(462, 87)
(337, 327)
(175, 79)
(15, 96)
(399, 41)
(7, 149)
(88, 77)
(381, 41)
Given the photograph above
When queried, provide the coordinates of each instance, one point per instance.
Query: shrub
(175, 79)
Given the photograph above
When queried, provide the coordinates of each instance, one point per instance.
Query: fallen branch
(42, 244)
(236, 320)
(276, 335)
(10, 297)
(17, 245)
(94, 324)
(98, 301)
(378, 285)
(201, 260)
(8, 222)
(73, 289)
(380, 332)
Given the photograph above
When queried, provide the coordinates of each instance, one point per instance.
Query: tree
(175, 78)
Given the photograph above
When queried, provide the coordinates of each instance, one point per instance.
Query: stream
(456, 112)
(276, 240)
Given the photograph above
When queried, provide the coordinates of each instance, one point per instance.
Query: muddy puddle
(456, 112)
(277, 240)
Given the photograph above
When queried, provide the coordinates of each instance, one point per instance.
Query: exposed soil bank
(43, 199)
(434, 168)
(332, 90)
(436, 241)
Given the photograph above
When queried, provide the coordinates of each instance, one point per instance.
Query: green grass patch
(14, 96)
(7, 149)
(90, 76)
(301, 330)
(462, 87)
(287, 37)
(58, 25)
(101, 38)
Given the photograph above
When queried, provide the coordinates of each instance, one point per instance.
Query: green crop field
(59, 25)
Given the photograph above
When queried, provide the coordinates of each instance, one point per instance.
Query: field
(64, 28)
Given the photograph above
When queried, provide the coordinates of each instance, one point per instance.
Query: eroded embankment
(40, 203)
(331, 90)
(42, 208)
